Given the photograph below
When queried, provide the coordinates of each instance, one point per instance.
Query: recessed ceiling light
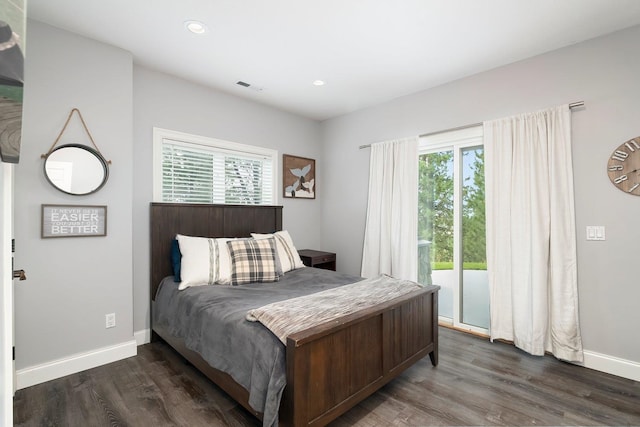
(318, 83)
(196, 27)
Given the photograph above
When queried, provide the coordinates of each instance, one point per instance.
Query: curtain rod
(571, 106)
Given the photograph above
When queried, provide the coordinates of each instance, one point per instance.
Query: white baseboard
(38, 374)
(611, 365)
(143, 336)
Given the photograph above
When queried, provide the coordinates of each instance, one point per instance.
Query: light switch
(595, 232)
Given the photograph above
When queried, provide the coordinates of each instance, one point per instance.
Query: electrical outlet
(110, 320)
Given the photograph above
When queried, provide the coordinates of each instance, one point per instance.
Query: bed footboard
(334, 366)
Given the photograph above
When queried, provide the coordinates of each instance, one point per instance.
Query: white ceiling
(367, 51)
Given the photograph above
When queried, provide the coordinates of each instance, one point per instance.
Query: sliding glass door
(451, 226)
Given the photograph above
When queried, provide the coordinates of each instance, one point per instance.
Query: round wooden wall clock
(623, 167)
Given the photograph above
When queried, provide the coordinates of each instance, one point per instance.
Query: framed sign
(298, 177)
(73, 221)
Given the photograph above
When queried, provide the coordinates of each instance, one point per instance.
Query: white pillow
(205, 261)
(287, 253)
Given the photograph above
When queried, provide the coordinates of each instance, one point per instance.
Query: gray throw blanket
(284, 318)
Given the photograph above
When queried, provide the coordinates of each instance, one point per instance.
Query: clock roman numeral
(619, 179)
(632, 145)
(620, 155)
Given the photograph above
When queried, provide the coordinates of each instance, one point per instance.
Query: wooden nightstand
(318, 259)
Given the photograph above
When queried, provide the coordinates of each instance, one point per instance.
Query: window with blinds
(194, 169)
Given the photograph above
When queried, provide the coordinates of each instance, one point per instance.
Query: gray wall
(168, 102)
(605, 73)
(73, 282)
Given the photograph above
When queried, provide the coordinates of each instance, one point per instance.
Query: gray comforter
(211, 320)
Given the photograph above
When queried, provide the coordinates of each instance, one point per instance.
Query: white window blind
(192, 169)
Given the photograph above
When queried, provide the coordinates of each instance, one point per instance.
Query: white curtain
(531, 240)
(391, 233)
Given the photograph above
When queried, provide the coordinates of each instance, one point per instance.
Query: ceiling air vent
(248, 85)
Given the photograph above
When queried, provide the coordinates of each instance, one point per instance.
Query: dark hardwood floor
(476, 383)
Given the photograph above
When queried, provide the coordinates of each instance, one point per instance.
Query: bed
(328, 368)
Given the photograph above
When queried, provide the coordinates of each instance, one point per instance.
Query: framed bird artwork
(298, 177)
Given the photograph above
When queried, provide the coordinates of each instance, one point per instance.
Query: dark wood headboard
(169, 219)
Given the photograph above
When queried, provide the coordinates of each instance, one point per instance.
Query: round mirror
(76, 169)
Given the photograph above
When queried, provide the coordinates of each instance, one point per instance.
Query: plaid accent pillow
(253, 261)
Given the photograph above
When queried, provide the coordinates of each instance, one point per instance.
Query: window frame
(183, 138)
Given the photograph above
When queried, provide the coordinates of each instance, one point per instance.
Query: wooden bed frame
(330, 368)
